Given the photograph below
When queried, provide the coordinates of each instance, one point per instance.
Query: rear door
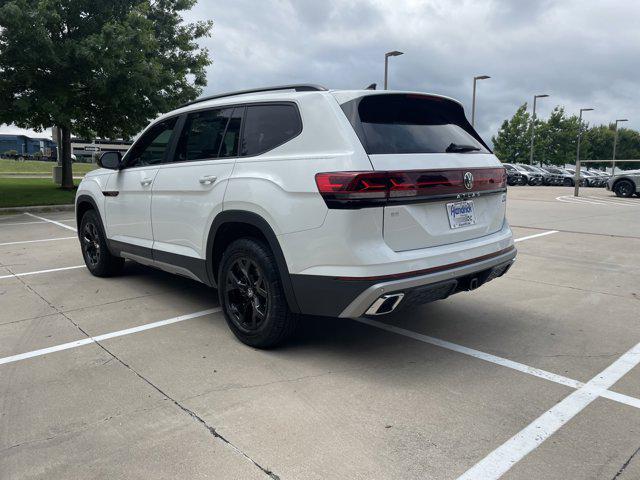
(189, 189)
(446, 185)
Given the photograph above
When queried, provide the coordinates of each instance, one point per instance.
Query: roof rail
(300, 87)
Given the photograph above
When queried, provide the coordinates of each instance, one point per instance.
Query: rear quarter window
(269, 126)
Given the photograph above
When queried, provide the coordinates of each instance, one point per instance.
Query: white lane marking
(529, 237)
(37, 272)
(498, 462)
(618, 201)
(36, 241)
(590, 200)
(52, 221)
(106, 336)
(504, 362)
(34, 222)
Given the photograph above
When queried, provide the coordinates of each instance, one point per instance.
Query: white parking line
(521, 239)
(36, 241)
(3, 224)
(37, 272)
(504, 362)
(498, 462)
(52, 221)
(106, 336)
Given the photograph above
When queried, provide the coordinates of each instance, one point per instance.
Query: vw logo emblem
(468, 180)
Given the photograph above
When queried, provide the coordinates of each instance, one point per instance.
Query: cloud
(582, 53)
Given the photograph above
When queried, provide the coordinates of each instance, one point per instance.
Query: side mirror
(110, 160)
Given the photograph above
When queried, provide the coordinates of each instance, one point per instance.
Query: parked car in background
(514, 177)
(586, 179)
(625, 184)
(558, 175)
(548, 178)
(572, 175)
(533, 177)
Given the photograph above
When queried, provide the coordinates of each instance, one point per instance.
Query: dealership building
(84, 149)
(27, 146)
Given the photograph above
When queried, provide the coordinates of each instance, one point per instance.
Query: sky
(582, 53)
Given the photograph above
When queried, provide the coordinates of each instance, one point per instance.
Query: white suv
(302, 200)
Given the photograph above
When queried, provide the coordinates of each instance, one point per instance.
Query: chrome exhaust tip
(385, 304)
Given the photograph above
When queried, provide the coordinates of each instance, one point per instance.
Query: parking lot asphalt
(534, 375)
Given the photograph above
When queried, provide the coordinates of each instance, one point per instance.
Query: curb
(40, 208)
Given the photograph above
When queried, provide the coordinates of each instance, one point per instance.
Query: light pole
(576, 179)
(473, 102)
(615, 144)
(394, 53)
(533, 125)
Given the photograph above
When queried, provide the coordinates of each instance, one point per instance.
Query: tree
(97, 67)
(511, 144)
(556, 138)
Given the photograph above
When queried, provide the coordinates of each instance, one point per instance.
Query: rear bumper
(352, 298)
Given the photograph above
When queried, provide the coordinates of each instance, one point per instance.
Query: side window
(152, 146)
(202, 134)
(231, 140)
(268, 126)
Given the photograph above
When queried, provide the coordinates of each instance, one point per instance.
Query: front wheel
(252, 297)
(624, 188)
(93, 243)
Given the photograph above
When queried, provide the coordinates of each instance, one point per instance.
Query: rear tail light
(350, 190)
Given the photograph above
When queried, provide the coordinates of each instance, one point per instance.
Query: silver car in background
(625, 184)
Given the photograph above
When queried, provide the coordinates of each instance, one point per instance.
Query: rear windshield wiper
(455, 148)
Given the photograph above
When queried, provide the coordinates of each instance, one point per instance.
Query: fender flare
(255, 220)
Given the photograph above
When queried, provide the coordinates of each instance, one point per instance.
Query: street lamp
(473, 102)
(576, 180)
(533, 124)
(394, 53)
(615, 144)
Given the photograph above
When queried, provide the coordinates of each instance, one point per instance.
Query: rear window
(410, 123)
(269, 126)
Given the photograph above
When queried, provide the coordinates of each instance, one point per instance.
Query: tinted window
(151, 147)
(406, 123)
(202, 134)
(231, 139)
(268, 126)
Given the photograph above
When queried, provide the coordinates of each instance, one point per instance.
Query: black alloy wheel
(623, 188)
(246, 294)
(95, 251)
(91, 244)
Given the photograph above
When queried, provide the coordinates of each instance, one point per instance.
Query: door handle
(145, 182)
(208, 179)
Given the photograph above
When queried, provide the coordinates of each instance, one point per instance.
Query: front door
(128, 200)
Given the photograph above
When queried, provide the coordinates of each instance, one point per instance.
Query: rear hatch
(445, 185)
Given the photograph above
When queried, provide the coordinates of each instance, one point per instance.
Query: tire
(533, 181)
(624, 188)
(568, 182)
(95, 251)
(251, 295)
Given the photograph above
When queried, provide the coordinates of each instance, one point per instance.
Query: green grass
(22, 192)
(28, 167)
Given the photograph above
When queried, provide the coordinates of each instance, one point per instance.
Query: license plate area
(461, 214)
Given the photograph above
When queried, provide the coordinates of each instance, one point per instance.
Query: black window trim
(182, 118)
